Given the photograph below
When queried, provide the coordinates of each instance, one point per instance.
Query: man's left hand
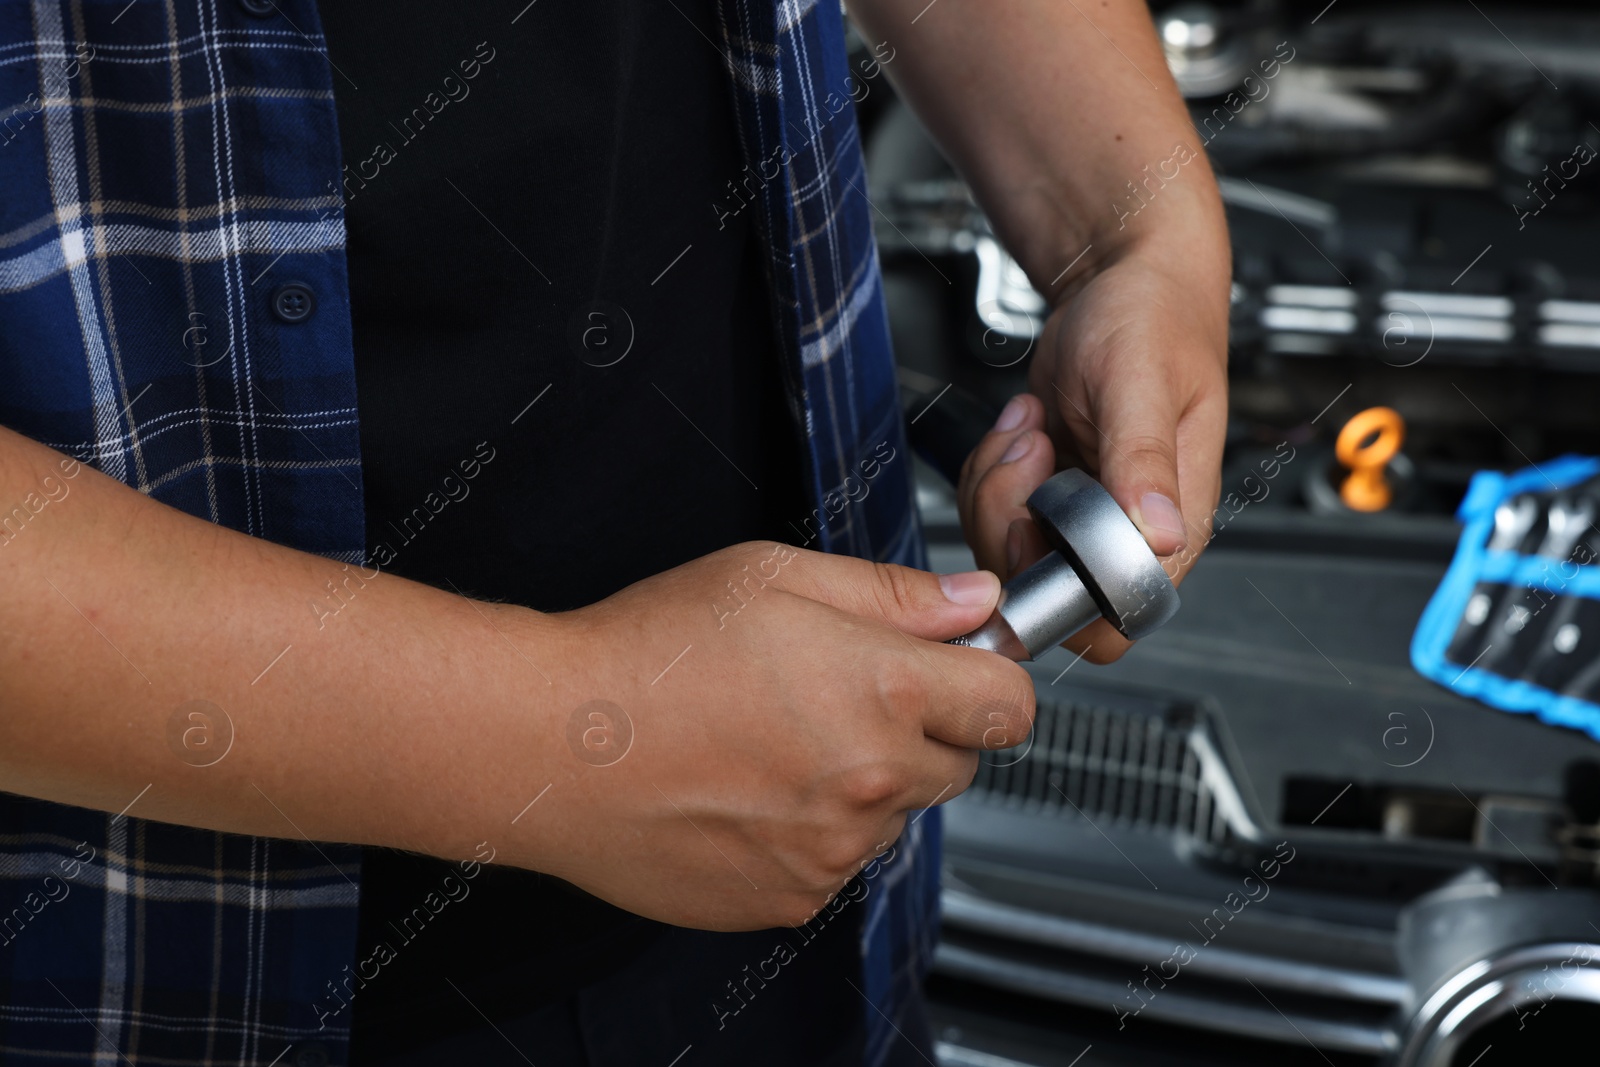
(1129, 383)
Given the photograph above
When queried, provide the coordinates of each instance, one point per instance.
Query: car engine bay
(1412, 195)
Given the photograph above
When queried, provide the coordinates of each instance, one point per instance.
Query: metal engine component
(1487, 963)
(1205, 59)
(1101, 567)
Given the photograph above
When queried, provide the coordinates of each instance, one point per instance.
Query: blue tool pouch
(1516, 621)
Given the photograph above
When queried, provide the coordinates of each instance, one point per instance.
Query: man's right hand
(784, 710)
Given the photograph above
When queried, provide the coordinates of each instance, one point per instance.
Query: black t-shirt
(535, 264)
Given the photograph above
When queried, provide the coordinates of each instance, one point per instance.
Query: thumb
(930, 606)
(1139, 468)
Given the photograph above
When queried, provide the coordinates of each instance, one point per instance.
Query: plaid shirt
(164, 166)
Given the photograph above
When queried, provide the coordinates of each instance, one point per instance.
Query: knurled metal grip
(1101, 568)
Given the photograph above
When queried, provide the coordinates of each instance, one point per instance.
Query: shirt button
(259, 8)
(311, 1054)
(293, 302)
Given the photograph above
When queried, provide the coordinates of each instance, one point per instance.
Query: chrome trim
(1569, 335)
(1488, 989)
(1307, 320)
(1005, 300)
(1225, 795)
(950, 1054)
(970, 912)
(1172, 1005)
(1585, 312)
(1312, 296)
(1446, 327)
(1482, 307)
(1279, 202)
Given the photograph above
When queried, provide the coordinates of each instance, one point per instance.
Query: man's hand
(1128, 382)
(773, 713)
(1066, 124)
(786, 709)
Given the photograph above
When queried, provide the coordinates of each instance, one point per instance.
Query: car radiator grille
(1146, 771)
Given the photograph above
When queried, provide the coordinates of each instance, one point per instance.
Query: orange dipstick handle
(1366, 445)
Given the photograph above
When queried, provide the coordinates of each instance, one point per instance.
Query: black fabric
(658, 1010)
(530, 220)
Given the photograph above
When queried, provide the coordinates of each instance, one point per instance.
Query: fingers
(1011, 461)
(1201, 435)
(977, 700)
(1139, 463)
(1099, 642)
(921, 605)
(959, 694)
(947, 772)
(1025, 545)
(944, 772)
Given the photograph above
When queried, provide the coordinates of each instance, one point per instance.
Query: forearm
(1053, 119)
(354, 706)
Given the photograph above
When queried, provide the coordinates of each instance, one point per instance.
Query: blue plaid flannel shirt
(161, 163)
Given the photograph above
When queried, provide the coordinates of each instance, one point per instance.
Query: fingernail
(968, 587)
(1011, 415)
(1163, 514)
(1020, 447)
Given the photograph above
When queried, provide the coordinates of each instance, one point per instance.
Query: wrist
(1163, 208)
(496, 738)
(1179, 234)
